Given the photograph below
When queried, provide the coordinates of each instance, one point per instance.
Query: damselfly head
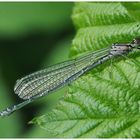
(136, 43)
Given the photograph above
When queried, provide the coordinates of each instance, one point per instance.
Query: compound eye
(136, 41)
(133, 41)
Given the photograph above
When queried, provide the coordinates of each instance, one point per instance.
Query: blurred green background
(32, 36)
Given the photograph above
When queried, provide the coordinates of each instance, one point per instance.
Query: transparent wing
(56, 76)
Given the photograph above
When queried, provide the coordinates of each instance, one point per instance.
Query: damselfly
(41, 83)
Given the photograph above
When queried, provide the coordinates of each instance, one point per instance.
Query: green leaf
(95, 14)
(98, 105)
(133, 9)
